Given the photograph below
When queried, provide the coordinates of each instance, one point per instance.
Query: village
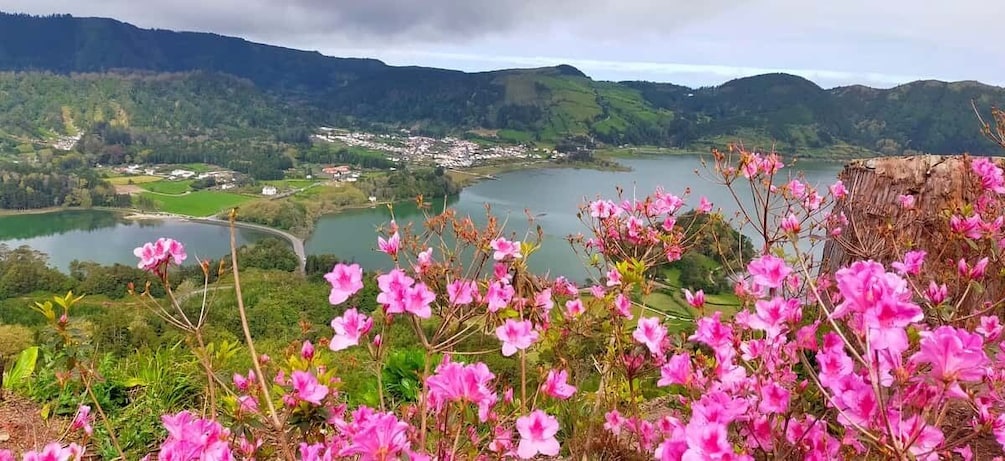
(448, 152)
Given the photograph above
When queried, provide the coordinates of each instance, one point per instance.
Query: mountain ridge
(537, 105)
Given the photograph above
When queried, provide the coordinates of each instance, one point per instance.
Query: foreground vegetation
(462, 353)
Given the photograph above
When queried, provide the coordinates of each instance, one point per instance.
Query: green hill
(174, 93)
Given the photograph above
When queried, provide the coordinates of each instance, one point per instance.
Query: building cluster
(66, 142)
(341, 173)
(447, 152)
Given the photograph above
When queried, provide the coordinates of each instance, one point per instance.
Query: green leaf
(23, 367)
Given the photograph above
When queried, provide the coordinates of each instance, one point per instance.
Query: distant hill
(165, 85)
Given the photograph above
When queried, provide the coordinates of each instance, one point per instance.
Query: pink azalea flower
(613, 422)
(345, 281)
(677, 370)
(912, 263)
(505, 249)
(906, 201)
(307, 351)
(838, 190)
(604, 209)
(393, 290)
(696, 299)
(651, 333)
(457, 382)
(153, 255)
(711, 331)
(613, 278)
(544, 301)
(556, 385)
(769, 271)
(537, 435)
(797, 188)
(380, 437)
(461, 292)
(975, 272)
(348, 329)
(51, 452)
(774, 399)
(499, 296)
(307, 388)
(424, 260)
(574, 307)
(193, 438)
(990, 327)
(417, 300)
(623, 306)
(704, 206)
(389, 246)
(83, 420)
(955, 355)
(991, 176)
(935, 294)
(516, 335)
(791, 224)
(6, 455)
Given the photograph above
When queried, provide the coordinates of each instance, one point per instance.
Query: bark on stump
(879, 228)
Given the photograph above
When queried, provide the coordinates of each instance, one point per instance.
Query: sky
(880, 43)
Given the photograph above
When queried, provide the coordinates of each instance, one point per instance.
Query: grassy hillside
(183, 96)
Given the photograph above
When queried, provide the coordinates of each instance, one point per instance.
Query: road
(296, 242)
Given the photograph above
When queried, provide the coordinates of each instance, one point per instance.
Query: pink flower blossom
(651, 333)
(499, 296)
(906, 201)
(389, 246)
(974, 273)
(307, 388)
(991, 175)
(153, 255)
(623, 306)
(955, 355)
(604, 209)
(380, 437)
(574, 307)
(838, 190)
(307, 351)
(6, 455)
(191, 438)
(461, 292)
(696, 300)
(345, 281)
(543, 301)
(417, 300)
(704, 206)
(990, 327)
(791, 224)
(516, 335)
(505, 249)
(911, 265)
(457, 382)
(424, 260)
(935, 294)
(349, 328)
(51, 452)
(613, 277)
(774, 399)
(537, 435)
(677, 370)
(394, 288)
(613, 422)
(769, 271)
(83, 420)
(556, 385)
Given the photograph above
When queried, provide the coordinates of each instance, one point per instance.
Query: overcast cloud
(833, 42)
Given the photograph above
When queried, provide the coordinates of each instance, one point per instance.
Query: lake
(551, 195)
(108, 237)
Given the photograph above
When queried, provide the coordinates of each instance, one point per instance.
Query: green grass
(200, 203)
(197, 167)
(168, 187)
(123, 180)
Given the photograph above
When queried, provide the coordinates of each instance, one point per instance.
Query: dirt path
(22, 427)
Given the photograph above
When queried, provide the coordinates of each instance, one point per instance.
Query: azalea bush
(880, 359)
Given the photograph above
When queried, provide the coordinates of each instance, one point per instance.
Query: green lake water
(552, 196)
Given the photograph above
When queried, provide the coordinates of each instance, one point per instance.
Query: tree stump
(881, 229)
